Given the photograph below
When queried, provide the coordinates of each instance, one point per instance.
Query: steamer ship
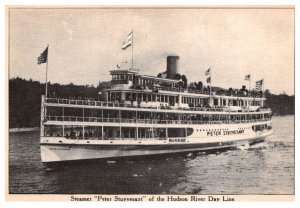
(143, 115)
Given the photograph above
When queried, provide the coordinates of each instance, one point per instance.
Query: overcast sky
(86, 43)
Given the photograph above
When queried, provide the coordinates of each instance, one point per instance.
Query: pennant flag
(207, 73)
(208, 80)
(43, 57)
(258, 85)
(128, 41)
(247, 77)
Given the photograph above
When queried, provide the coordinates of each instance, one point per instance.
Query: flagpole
(46, 91)
(263, 88)
(210, 87)
(210, 81)
(132, 53)
(250, 86)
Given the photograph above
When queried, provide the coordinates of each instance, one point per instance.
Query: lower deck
(80, 142)
(150, 134)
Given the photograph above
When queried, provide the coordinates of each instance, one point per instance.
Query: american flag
(259, 85)
(43, 57)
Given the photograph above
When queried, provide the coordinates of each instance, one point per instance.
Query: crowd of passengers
(94, 98)
(91, 99)
(73, 135)
(88, 100)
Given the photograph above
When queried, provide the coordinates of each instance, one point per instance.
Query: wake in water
(257, 146)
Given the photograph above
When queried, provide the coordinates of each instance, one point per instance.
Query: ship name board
(224, 133)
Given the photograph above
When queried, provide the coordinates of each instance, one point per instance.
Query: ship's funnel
(172, 66)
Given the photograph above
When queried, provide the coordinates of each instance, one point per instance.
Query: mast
(46, 90)
(208, 80)
(263, 88)
(132, 52)
(263, 92)
(210, 90)
(250, 86)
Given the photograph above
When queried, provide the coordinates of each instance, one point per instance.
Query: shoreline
(24, 129)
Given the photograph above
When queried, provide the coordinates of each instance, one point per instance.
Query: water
(265, 168)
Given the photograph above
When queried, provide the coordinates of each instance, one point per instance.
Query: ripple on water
(264, 168)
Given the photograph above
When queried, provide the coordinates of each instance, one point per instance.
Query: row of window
(75, 132)
(148, 97)
(261, 127)
(122, 77)
(58, 113)
(225, 129)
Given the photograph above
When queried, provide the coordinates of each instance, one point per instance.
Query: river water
(265, 168)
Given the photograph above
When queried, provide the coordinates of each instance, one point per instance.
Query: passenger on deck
(86, 135)
(73, 135)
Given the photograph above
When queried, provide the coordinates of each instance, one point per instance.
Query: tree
(230, 91)
(283, 93)
(180, 84)
(208, 88)
(200, 86)
(267, 93)
(177, 76)
(184, 79)
(192, 85)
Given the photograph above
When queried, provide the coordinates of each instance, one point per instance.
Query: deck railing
(113, 104)
(145, 121)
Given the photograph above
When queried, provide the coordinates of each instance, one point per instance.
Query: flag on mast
(259, 85)
(207, 73)
(248, 77)
(128, 41)
(43, 58)
(208, 80)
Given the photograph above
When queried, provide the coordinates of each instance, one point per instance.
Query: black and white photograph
(175, 103)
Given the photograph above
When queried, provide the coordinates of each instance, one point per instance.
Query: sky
(85, 44)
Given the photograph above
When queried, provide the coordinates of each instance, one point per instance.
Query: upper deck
(93, 104)
(129, 90)
(171, 90)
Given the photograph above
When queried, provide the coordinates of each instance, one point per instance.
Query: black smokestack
(172, 66)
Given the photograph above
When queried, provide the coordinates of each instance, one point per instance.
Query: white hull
(58, 149)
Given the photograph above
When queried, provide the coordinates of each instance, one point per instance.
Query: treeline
(25, 99)
(282, 104)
